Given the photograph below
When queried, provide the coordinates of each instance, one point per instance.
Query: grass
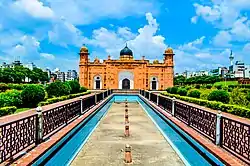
(22, 109)
(226, 83)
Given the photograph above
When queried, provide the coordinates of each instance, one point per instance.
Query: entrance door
(126, 84)
(153, 85)
(97, 84)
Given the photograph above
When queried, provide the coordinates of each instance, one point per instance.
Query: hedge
(62, 98)
(7, 110)
(233, 109)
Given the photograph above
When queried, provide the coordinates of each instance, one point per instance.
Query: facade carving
(126, 73)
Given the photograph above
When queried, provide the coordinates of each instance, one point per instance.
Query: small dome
(84, 49)
(169, 51)
(126, 51)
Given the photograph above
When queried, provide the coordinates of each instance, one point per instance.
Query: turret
(84, 55)
(169, 57)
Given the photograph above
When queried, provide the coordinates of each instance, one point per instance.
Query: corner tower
(83, 66)
(169, 57)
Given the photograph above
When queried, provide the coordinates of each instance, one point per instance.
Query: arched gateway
(126, 80)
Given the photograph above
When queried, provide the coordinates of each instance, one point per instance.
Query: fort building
(126, 72)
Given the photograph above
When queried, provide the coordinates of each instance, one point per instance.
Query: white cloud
(86, 12)
(48, 56)
(35, 8)
(192, 46)
(223, 39)
(246, 48)
(194, 19)
(241, 29)
(64, 33)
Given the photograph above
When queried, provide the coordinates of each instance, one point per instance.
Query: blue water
(66, 150)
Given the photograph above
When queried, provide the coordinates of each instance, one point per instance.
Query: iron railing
(153, 97)
(59, 116)
(234, 136)
(18, 135)
(165, 103)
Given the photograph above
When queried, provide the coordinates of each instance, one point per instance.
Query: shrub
(238, 97)
(169, 90)
(209, 86)
(10, 98)
(7, 110)
(197, 86)
(230, 89)
(16, 86)
(218, 86)
(194, 93)
(75, 86)
(174, 90)
(188, 87)
(83, 89)
(182, 91)
(57, 89)
(219, 95)
(233, 109)
(3, 87)
(32, 95)
(62, 98)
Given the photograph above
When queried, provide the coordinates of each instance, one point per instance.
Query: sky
(50, 33)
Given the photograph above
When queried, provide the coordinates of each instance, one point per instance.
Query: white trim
(126, 75)
(157, 82)
(95, 79)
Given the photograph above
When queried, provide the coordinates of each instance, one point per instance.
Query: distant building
(30, 65)
(71, 75)
(11, 65)
(220, 72)
(239, 70)
(59, 75)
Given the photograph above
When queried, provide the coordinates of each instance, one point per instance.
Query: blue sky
(51, 32)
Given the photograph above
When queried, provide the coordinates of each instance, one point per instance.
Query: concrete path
(105, 146)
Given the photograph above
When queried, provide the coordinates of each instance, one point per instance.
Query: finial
(231, 52)
(126, 44)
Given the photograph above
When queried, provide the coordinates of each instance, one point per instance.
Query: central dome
(126, 51)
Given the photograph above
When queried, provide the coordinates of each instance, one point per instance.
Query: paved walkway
(106, 145)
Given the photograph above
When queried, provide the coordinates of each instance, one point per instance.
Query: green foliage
(19, 73)
(225, 88)
(57, 89)
(209, 86)
(3, 87)
(219, 95)
(83, 89)
(182, 91)
(181, 80)
(75, 86)
(230, 89)
(239, 97)
(194, 93)
(233, 109)
(62, 98)
(7, 110)
(219, 86)
(197, 86)
(226, 83)
(32, 95)
(10, 98)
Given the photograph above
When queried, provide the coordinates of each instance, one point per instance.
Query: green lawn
(22, 109)
(226, 83)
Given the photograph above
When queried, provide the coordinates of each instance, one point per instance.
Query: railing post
(81, 112)
(103, 95)
(95, 98)
(149, 96)
(173, 106)
(218, 128)
(39, 134)
(144, 93)
(157, 101)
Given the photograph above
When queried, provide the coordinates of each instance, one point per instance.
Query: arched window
(97, 82)
(154, 83)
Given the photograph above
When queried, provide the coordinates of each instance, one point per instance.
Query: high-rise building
(30, 65)
(71, 75)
